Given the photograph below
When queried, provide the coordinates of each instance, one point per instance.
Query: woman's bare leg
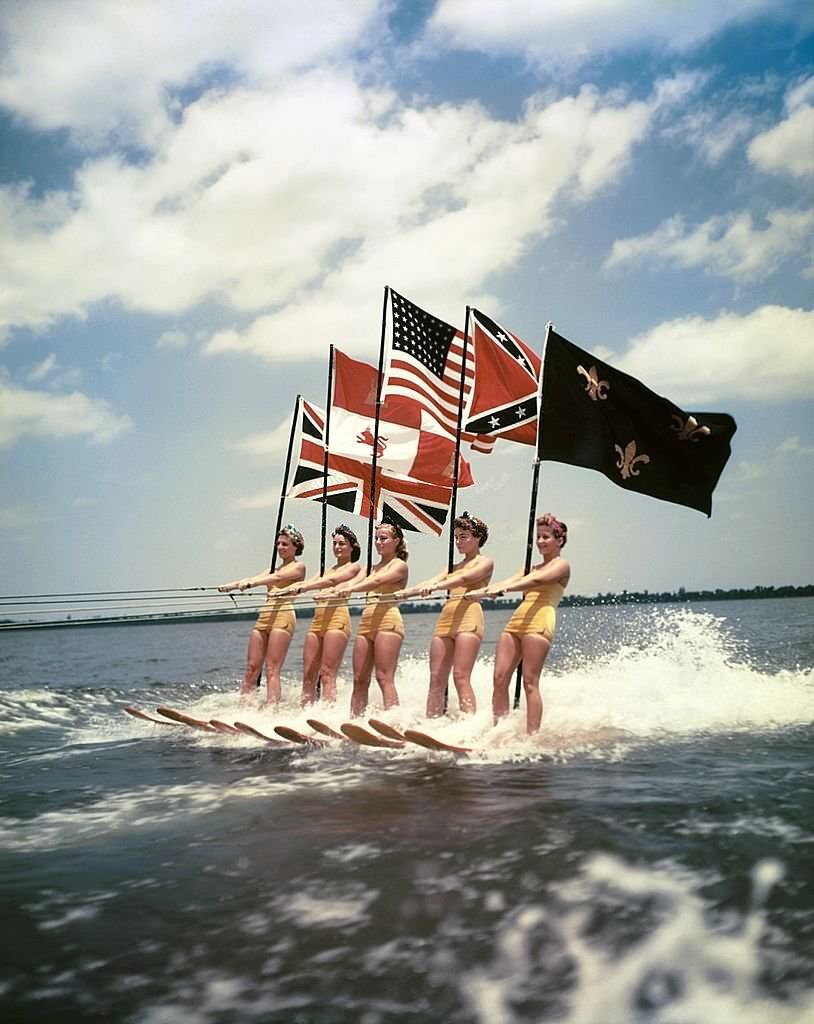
(362, 669)
(311, 655)
(333, 650)
(442, 650)
(258, 642)
(467, 646)
(279, 641)
(507, 658)
(535, 652)
(386, 648)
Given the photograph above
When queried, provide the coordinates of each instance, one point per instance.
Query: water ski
(222, 726)
(386, 729)
(250, 730)
(431, 743)
(138, 713)
(179, 716)
(295, 736)
(325, 729)
(366, 738)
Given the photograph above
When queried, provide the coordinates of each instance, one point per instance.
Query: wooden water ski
(184, 719)
(295, 736)
(222, 726)
(386, 729)
(138, 713)
(250, 730)
(366, 738)
(325, 729)
(431, 743)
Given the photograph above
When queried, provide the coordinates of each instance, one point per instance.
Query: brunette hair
(350, 537)
(294, 536)
(476, 527)
(560, 530)
(401, 546)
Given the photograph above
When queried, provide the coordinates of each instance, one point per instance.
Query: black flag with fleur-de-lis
(600, 418)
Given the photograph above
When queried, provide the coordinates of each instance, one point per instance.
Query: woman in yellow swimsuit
(271, 636)
(329, 631)
(381, 630)
(458, 632)
(528, 634)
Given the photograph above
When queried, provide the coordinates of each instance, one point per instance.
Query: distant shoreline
(680, 596)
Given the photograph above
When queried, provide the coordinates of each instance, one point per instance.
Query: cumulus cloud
(573, 30)
(26, 412)
(303, 201)
(794, 446)
(788, 147)
(270, 444)
(728, 245)
(761, 356)
(106, 68)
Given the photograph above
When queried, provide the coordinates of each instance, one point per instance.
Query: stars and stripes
(425, 363)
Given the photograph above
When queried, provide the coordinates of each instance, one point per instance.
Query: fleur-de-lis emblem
(689, 431)
(627, 460)
(596, 388)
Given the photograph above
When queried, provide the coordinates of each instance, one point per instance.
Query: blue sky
(197, 200)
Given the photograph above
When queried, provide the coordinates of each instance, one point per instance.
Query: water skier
(381, 630)
(458, 631)
(529, 633)
(271, 636)
(330, 629)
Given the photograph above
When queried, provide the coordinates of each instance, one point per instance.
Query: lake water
(648, 858)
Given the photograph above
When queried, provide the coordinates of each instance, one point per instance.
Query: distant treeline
(682, 594)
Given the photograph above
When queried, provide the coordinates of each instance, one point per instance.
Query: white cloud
(25, 412)
(788, 148)
(573, 30)
(727, 245)
(762, 356)
(437, 179)
(109, 67)
(305, 200)
(272, 443)
(41, 370)
(20, 517)
(712, 133)
(173, 339)
(794, 446)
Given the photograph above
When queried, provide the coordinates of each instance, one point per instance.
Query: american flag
(425, 360)
(411, 504)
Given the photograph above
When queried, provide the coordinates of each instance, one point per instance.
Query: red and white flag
(507, 374)
(413, 504)
(410, 442)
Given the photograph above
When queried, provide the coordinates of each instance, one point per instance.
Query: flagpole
(379, 383)
(457, 457)
(326, 445)
(535, 479)
(284, 488)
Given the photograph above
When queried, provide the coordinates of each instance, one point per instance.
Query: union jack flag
(411, 504)
(425, 361)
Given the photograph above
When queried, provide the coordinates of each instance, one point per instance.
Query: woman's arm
(474, 574)
(555, 571)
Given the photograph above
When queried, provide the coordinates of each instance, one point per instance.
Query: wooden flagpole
(535, 478)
